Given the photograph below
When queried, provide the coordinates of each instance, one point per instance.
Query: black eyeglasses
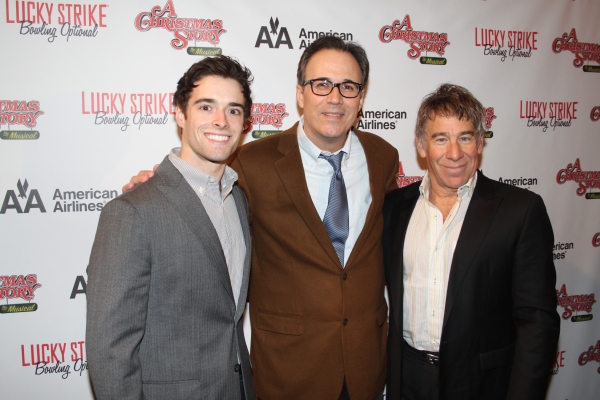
(322, 87)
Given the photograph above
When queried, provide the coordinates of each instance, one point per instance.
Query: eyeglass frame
(333, 86)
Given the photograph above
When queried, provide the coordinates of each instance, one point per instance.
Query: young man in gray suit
(169, 269)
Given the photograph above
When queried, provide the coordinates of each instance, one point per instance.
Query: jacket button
(237, 368)
(345, 321)
(344, 276)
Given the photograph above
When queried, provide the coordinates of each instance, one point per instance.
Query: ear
(480, 145)
(420, 147)
(179, 117)
(300, 95)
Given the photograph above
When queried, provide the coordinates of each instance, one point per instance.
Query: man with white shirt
(170, 265)
(317, 305)
(469, 270)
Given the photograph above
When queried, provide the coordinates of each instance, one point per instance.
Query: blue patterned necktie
(336, 215)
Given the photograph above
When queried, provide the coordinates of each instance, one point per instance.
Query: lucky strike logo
(559, 361)
(19, 112)
(403, 180)
(596, 240)
(75, 20)
(585, 179)
(18, 287)
(595, 114)
(583, 51)
(185, 30)
(575, 304)
(591, 354)
(267, 114)
(503, 44)
(125, 109)
(545, 114)
(54, 358)
(419, 41)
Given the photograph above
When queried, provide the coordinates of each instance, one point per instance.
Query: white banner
(86, 102)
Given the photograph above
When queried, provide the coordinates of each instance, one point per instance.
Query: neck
(210, 168)
(330, 145)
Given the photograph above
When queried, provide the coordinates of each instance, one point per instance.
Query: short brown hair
(450, 101)
(222, 66)
(334, 43)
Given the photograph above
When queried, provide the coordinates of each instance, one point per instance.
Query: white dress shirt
(318, 173)
(220, 206)
(428, 250)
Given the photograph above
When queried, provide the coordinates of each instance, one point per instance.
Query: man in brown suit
(318, 323)
(318, 313)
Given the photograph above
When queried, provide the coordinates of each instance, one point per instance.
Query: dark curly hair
(222, 66)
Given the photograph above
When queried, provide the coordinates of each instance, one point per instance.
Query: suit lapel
(183, 199)
(242, 209)
(479, 217)
(377, 185)
(291, 173)
(401, 217)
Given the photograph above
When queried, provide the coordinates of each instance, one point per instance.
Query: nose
(335, 97)
(220, 119)
(454, 151)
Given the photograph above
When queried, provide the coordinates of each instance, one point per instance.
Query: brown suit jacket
(314, 324)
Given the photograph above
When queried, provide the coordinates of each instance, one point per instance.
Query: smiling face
(327, 119)
(212, 124)
(451, 150)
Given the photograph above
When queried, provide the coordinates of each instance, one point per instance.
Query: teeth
(219, 138)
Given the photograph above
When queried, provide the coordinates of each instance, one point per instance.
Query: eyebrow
(213, 101)
(331, 80)
(436, 134)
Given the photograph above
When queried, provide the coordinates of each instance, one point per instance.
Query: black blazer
(500, 326)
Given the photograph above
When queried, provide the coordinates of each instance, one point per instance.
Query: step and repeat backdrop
(86, 102)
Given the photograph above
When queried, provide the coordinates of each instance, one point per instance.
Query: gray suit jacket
(162, 321)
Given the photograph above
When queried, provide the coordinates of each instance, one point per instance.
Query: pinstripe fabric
(162, 322)
(336, 215)
(428, 251)
(220, 207)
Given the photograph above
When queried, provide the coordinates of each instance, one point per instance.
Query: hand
(141, 177)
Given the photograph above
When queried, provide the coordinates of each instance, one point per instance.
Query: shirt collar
(313, 151)
(201, 181)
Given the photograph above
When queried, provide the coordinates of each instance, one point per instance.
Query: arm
(117, 299)
(534, 306)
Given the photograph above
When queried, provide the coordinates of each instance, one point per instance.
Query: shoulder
(485, 184)
(141, 195)
(403, 194)
(268, 145)
(403, 198)
(374, 141)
